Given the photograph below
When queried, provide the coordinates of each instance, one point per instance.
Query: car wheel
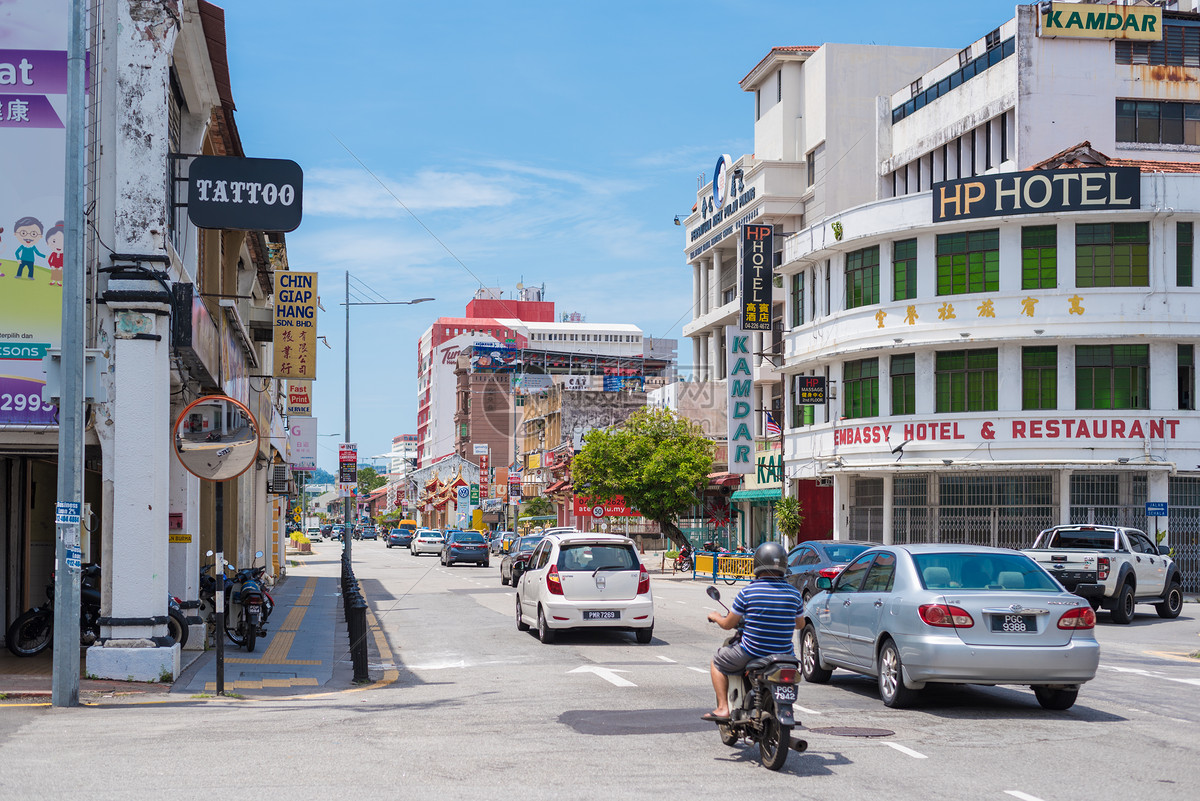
(810, 658)
(644, 636)
(503, 579)
(1057, 699)
(805, 596)
(545, 633)
(1122, 611)
(891, 678)
(521, 624)
(486, 563)
(1172, 604)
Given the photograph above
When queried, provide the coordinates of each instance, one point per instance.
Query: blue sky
(545, 142)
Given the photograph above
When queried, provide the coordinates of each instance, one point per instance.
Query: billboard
(584, 507)
(299, 403)
(494, 359)
(302, 436)
(757, 252)
(1101, 22)
(33, 98)
(1093, 189)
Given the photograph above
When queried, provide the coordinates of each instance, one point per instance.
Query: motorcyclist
(768, 610)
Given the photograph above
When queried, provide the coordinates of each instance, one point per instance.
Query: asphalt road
(482, 711)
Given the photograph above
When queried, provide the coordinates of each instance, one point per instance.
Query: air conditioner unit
(280, 477)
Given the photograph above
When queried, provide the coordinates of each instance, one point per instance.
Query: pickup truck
(1112, 566)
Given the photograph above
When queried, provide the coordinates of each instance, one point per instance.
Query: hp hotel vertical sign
(757, 246)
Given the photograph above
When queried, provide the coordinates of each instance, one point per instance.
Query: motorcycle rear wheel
(177, 627)
(31, 633)
(251, 630)
(773, 742)
(234, 632)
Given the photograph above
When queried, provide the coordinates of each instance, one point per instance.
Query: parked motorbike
(33, 631)
(760, 704)
(247, 604)
(176, 622)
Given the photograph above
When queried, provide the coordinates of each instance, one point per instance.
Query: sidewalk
(305, 649)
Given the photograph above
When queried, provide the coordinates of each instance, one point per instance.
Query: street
(479, 709)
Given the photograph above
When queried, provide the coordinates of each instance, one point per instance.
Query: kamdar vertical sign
(739, 382)
(295, 329)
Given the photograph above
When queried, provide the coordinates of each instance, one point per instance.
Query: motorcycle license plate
(785, 692)
(254, 607)
(601, 615)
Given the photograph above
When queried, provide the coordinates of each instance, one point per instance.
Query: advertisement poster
(299, 398)
(33, 99)
(302, 436)
(295, 328)
(757, 254)
(584, 507)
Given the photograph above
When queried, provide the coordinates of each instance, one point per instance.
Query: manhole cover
(853, 731)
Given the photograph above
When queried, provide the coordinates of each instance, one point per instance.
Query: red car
(519, 551)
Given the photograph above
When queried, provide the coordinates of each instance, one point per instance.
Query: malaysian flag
(772, 426)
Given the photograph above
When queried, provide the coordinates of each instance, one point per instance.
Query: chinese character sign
(295, 328)
(33, 97)
(758, 259)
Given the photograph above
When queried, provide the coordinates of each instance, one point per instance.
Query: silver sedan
(958, 614)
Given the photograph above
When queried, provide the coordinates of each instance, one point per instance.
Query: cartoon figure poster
(33, 100)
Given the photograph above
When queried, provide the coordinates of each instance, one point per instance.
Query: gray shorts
(731, 659)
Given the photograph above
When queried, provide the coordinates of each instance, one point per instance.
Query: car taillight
(553, 584)
(643, 581)
(1079, 618)
(830, 572)
(1102, 568)
(455, 545)
(945, 616)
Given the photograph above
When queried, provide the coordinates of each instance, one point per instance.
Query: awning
(725, 479)
(558, 486)
(756, 495)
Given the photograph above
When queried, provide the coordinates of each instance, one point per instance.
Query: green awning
(756, 495)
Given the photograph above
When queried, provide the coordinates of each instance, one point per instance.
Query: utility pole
(346, 516)
(68, 512)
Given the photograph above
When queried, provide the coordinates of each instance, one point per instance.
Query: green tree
(536, 507)
(369, 481)
(789, 518)
(656, 460)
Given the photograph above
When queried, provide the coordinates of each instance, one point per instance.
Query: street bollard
(358, 639)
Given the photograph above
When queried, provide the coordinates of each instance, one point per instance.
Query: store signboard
(33, 99)
(299, 398)
(1074, 20)
(295, 325)
(1090, 189)
(740, 387)
(584, 507)
(810, 389)
(302, 436)
(756, 251)
(240, 194)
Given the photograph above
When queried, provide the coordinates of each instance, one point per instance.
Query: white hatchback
(576, 580)
(427, 541)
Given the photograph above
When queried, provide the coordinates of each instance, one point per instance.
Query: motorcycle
(760, 704)
(247, 604)
(177, 625)
(33, 631)
(683, 560)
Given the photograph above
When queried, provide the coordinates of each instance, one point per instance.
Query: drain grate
(852, 731)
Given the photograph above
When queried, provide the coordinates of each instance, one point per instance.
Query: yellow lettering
(947, 199)
(972, 197)
(1089, 183)
(1014, 193)
(1112, 192)
(1047, 190)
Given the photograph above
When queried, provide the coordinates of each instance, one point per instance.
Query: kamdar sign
(295, 328)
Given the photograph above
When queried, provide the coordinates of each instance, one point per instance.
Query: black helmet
(770, 558)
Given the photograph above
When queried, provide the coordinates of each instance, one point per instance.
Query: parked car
(913, 614)
(400, 536)
(427, 541)
(1112, 566)
(314, 534)
(501, 542)
(810, 560)
(584, 581)
(465, 546)
(521, 550)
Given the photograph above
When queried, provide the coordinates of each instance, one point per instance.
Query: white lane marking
(1022, 796)
(682, 603)
(806, 710)
(608, 674)
(1154, 674)
(902, 749)
(667, 659)
(698, 670)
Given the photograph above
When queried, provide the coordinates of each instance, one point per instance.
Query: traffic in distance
(906, 616)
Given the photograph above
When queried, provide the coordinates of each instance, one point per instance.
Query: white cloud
(355, 193)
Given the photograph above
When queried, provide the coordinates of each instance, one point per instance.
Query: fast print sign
(237, 194)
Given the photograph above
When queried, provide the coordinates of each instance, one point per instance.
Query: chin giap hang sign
(739, 383)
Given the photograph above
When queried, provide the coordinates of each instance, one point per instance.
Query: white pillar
(137, 417)
(1064, 496)
(889, 490)
(695, 290)
(714, 283)
(1158, 484)
(714, 356)
(841, 506)
(705, 274)
(697, 359)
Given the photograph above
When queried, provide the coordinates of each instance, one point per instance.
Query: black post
(219, 600)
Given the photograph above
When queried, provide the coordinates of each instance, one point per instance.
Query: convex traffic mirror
(216, 438)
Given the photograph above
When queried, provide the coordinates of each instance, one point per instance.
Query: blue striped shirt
(769, 608)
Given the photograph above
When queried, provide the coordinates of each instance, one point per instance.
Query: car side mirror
(1164, 550)
(824, 583)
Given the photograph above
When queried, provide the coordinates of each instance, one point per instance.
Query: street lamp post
(347, 536)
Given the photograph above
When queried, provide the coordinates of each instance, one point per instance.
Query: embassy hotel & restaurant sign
(1038, 192)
